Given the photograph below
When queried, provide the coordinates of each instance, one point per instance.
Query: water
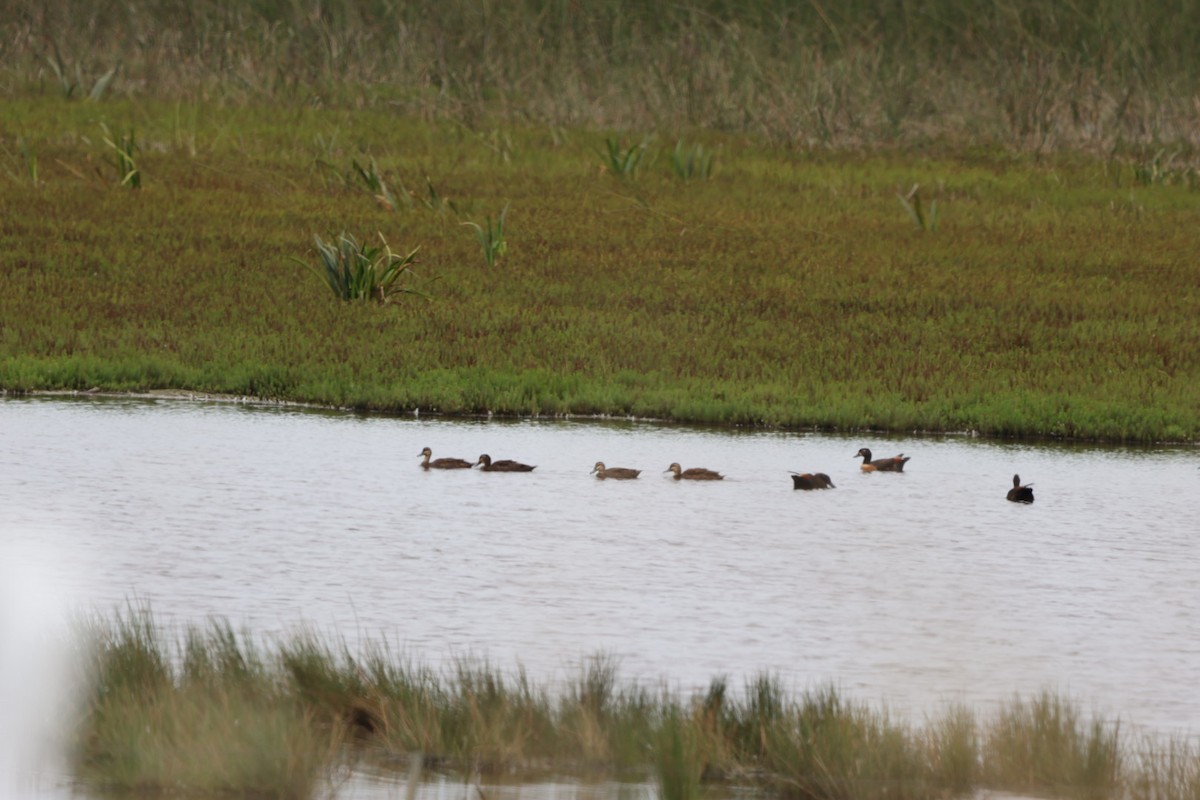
(908, 590)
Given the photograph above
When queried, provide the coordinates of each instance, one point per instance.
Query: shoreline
(245, 400)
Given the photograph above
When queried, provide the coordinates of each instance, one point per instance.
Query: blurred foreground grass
(206, 710)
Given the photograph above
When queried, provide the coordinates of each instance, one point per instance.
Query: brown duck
(502, 466)
(443, 463)
(694, 474)
(1019, 493)
(811, 480)
(894, 464)
(616, 473)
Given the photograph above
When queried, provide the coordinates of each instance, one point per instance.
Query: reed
(209, 719)
(827, 748)
(1013, 73)
(678, 762)
(1164, 769)
(1043, 745)
(953, 747)
(484, 721)
(204, 709)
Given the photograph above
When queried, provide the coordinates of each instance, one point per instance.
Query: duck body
(616, 473)
(1019, 493)
(443, 463)
(811, 480)
(486, 464)
(694, 474)
(894, 464)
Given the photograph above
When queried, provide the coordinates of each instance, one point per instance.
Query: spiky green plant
(123, 148)
(356, 271)
(621, 161)
(65, 83)
(376, 186)
(68, 84)
(914, 204)
(1164, 169)
(102, 83)
(30, 160)
(491, 238)
(689, 163)
(500, 143)
(435, 202)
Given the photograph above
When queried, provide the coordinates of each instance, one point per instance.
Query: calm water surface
(910, 590)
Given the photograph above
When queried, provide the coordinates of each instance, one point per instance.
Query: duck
(1019, 493)
(694, 474)
(811, 480)
(443, 463)
(502, 466)
(894, 464)
(616, 473)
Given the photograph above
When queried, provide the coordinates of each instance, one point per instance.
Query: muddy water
(910, 590)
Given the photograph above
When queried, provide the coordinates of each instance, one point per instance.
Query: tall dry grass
(1099, 75)
(1044, 745)
(205, 710)
(203, 716)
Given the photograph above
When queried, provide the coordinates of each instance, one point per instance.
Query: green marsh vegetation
(490, 236)
(623, 161)
(354, 271)
(1051, 293)
(692, 163)
(205, 709)
(123, 147)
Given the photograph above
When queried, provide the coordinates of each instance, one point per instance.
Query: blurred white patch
(36, 698)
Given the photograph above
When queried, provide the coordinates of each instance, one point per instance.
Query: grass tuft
(362, 272)
(123, 148)
(954, 750)
(678, 760)
(623, 162)
(694, 163)
(29, 163)
(490, 236)
(218, 723)
(375, 185)
(1165, 770)
(1043, 745)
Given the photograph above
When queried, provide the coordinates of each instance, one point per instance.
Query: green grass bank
(205, 710)
(163, 165)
